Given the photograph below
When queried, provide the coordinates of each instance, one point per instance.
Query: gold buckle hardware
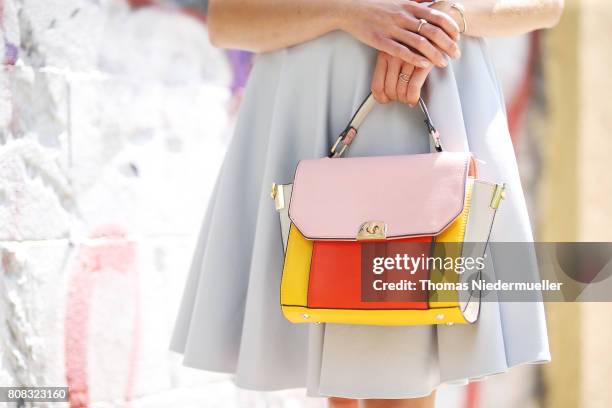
(372, 230)
(274, 191)
(278, 195)
(498, 194)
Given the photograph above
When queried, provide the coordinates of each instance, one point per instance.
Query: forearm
(491, 18)
(265, 25)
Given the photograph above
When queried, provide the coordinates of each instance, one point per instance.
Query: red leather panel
(336, 275)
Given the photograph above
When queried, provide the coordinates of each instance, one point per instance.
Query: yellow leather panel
(456, 231)
(297, 314)
(294, 283)
(453, 235)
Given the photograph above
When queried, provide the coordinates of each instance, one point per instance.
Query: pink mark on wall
(109, 252)
(472, 395)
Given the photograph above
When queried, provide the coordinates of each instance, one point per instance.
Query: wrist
(452, 10)
(340, 13)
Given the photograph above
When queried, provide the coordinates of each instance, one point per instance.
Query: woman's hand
(396, 80)
(392, 26)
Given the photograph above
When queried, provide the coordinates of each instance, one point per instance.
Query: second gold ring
(404, 77)
(422, 22)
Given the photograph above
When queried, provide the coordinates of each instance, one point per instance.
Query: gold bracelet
(457, 7)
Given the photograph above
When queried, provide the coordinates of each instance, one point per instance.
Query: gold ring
(422, 22)
(404, 77)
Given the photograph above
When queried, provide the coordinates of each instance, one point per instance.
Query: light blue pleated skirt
(296, 102)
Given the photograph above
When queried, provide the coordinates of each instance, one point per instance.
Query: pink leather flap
(413, 195)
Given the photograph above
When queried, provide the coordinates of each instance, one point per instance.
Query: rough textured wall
(113, 123)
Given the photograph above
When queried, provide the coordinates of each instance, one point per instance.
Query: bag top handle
(349, 133)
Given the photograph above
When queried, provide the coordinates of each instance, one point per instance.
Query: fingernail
(424, 64)
(457, 53)
(444, 64)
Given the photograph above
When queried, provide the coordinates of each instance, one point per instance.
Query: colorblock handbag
(340, 216)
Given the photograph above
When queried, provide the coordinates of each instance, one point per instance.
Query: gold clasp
(372, 230)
